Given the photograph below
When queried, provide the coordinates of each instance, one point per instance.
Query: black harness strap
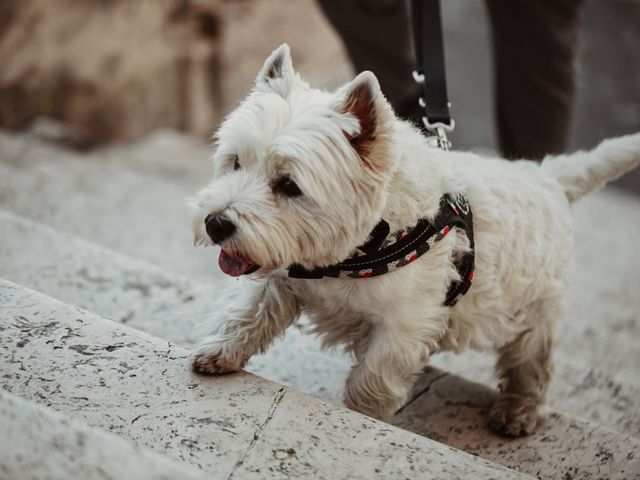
(430, 71)
(379, 256)
(465, 264)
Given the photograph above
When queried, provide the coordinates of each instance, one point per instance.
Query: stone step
(118, 379)
(131, 199)
(170, 306)
(115, 285)
(449, 409)
(37, 262)
(110, 197)
(146, 297)
(65, 346)
(583, 391)
(37, 442)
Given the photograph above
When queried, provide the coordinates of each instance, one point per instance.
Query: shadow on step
(452, 410)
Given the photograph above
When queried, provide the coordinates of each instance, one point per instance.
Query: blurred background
(115, 70)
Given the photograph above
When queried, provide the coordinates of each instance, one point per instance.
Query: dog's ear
(363, 99)
(277, 73)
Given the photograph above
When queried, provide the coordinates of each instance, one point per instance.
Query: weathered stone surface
(38, 443)
(447, 408)
(118, 287)
(401, 457)
(583, 390)
(140, 387)
(111, 203)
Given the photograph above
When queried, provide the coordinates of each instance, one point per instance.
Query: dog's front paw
(514, 416)
(216, 359)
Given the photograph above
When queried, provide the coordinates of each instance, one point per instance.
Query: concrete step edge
(138, 386)
(38, 442)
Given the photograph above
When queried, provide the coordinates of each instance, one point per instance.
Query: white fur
(394, 322)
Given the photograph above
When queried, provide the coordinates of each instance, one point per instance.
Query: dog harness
(385, 252)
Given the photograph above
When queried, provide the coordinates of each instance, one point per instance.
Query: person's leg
(535, 46)
(377, 36)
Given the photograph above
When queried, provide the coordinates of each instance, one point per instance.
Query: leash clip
(418, 77)
(439, 130)
(439, 139)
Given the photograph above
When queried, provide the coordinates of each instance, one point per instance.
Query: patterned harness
(385, 252)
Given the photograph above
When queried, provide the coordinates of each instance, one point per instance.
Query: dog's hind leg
(525, 368)
(246, 324)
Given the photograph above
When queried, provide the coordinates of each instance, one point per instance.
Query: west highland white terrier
(394, 249)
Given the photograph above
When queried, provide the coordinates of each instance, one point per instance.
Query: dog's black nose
(219, 227)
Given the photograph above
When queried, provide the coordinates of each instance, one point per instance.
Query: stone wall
(117, 69)
(112, 69)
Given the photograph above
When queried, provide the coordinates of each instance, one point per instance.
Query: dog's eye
(287, 187)
(236, 162)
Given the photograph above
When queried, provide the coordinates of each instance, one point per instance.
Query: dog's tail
(583, 172)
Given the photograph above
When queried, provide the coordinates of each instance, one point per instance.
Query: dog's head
(300, 174)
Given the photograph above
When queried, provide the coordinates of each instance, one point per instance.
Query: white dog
(303, 177)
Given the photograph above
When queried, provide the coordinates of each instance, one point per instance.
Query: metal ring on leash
(429, 50)
(418, 77)
(440, 131)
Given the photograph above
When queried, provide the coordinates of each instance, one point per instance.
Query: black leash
(430, 70)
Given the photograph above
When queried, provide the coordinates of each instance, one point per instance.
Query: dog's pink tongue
(234, 266)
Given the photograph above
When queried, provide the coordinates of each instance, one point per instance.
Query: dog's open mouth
(235, 265)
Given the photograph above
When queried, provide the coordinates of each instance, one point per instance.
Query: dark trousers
(535, 45)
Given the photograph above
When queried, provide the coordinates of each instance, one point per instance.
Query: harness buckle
(440, 130)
